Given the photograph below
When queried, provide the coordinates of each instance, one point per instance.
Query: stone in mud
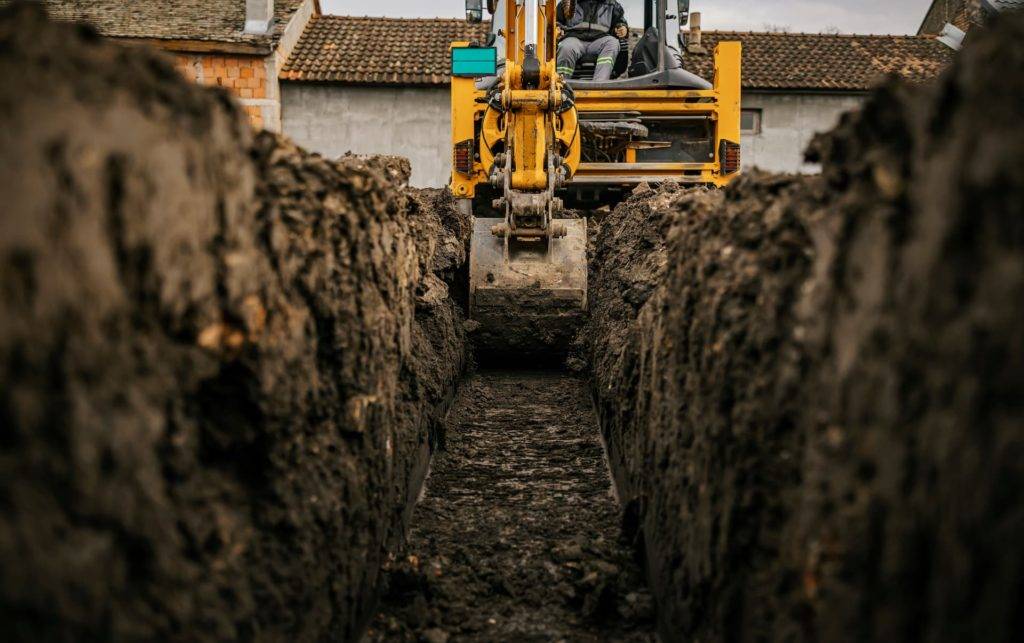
(435, 635)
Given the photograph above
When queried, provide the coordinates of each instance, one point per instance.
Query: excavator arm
(528, 267)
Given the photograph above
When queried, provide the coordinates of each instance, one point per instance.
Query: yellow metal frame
(530, 121)
(535, 124)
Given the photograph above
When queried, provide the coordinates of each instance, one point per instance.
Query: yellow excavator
(528, 141)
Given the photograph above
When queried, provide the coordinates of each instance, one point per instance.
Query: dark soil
(223, 360)
(225, 363)
(810, 386)
(693, 298)
(913, 490)
(517, 536)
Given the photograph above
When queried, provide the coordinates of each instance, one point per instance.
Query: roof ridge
(221, 22)
(783, 34)
(395, 19)
(747, 32)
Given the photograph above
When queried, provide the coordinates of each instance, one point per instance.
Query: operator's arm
(619, 25)
(560, 16)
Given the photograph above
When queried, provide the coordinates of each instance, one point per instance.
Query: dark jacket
(592, 19)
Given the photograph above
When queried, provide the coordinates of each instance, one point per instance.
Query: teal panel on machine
(474, 61)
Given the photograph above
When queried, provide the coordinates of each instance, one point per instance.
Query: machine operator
(591, 28)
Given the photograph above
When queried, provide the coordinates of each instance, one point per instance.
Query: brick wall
(244, 76)
(962, 13)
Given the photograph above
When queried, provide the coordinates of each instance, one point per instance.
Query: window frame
(758, 114)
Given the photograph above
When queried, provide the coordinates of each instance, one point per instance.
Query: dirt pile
(813, 410)
(222, 359)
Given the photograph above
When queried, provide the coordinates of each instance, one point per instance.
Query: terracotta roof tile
(205, 20)
(825, 61)
(393, 51)
(390, 51)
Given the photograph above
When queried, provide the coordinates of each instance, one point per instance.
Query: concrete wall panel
(416, 123)
(788, 122)
(410, 122)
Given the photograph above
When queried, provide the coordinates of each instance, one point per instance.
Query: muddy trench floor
(517, 535)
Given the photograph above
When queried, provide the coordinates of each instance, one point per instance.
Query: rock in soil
(810, 386)
(222, 359)
(517, 537)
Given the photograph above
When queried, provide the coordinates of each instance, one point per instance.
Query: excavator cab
(526, 141)
(648, 50)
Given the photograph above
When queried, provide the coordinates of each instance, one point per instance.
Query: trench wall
(810, 386)
(223, 360)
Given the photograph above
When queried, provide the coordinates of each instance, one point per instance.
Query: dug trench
(810, 391)
(225, 364)
(517, 536)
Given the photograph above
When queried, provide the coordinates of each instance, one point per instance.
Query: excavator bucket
(528, 297)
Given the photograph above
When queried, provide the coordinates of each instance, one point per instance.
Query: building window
(750, 121)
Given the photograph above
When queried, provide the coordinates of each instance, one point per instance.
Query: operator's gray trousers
(570, 50)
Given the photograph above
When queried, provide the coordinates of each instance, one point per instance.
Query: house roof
(397, 51)
(825, 62)
(391, 51)
(214, 21)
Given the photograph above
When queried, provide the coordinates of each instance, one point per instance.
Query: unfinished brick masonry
(247, 77)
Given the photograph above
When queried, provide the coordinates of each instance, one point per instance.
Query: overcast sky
(849, 16)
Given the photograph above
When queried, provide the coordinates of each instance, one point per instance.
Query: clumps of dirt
(627, 256)
(446, 231)
(812, 408)
(388, 346)
(516, 538)
(693, 303)
(913, 510)
(223, 360)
